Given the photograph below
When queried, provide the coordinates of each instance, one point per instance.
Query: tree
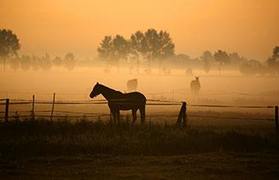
(273, 61)
(251, 67)
(69, 61)
(207, 59)
(114, 49)
(105, 48)
(222, 57)
(9, 44)
(157, 45)
(120, 48)
(276, 52)
(137, 43)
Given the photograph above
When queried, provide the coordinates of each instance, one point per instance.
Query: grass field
(85, 149)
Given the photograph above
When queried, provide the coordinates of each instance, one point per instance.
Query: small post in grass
(182, 116)
(52, 109)
(276, 119)
(7, 110)
(33, 108)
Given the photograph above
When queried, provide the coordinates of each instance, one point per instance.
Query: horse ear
(97, 83)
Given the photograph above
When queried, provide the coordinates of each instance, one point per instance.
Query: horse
(132, 84)
(195, 86)
(121, 101)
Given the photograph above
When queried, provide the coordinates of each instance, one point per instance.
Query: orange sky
(249, 27)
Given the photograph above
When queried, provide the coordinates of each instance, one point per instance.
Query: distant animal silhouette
(121, 101)
(195, 86)
(132, 85)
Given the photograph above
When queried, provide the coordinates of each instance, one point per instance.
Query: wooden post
(276, 119)
(181, 120)
(7, 110)
(33, 108)
(52, 109)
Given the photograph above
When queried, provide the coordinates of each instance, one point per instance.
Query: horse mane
(110, 89)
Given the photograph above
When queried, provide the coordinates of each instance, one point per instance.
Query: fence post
(7, 110)
(33, 108)
(276, 118)
(52, 109)
(182, 116)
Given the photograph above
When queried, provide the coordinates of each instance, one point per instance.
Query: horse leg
(134, 113)
(118, 116)
(142, 114)
(114, 114)
(111, 116)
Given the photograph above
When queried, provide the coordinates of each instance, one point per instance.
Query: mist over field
(229, 87)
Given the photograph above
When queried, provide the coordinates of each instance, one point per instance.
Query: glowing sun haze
(249, 27)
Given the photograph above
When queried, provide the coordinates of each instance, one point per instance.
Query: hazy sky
(249, 27)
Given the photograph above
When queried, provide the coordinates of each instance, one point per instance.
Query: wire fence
(6, 113)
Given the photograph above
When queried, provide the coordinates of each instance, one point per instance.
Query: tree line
(148, 46)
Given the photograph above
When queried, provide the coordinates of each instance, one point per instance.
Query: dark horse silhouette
(121, 101)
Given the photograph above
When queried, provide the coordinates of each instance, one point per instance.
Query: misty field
(218, 143)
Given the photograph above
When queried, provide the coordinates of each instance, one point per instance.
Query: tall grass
(45, 138)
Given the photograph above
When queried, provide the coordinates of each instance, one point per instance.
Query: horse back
(134, 96)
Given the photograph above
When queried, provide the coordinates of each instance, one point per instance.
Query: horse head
(197, 78)
(96, 90)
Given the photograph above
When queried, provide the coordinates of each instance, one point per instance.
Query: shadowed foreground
(42, 149)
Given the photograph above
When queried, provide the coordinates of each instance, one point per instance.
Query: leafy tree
(120, 48)
(207, 59)
(69, 61)
(137, 43)
(222, 57)
(158, 45)
(273, 61)
(9, 44)
(57, 61)
(251, 67)
(105, 48)
(276, 52)
(149, 45)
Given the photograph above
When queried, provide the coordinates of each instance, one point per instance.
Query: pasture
(80, 142)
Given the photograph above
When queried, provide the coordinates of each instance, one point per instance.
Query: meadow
(86, 149)
(218, 143)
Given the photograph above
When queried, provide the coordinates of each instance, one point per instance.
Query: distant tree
(114, 49)
(207, 59)
(222, 57)
(158, 45)
(69, 61)
(137, 43)
(120, 48)
(273, 61)
(276, 52)
(235, 58)
(57, 61)
(25, 61)
(251, 67)
(9, 44)
(105, 48)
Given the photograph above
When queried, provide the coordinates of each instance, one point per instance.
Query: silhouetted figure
(195, 86)
(132, 85)
(121, 101)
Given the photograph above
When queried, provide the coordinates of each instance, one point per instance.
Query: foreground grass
(45, 138)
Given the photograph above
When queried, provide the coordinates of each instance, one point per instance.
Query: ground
(217, 165)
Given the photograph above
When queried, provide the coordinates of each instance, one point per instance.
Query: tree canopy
(9, 43)
(149, 45)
